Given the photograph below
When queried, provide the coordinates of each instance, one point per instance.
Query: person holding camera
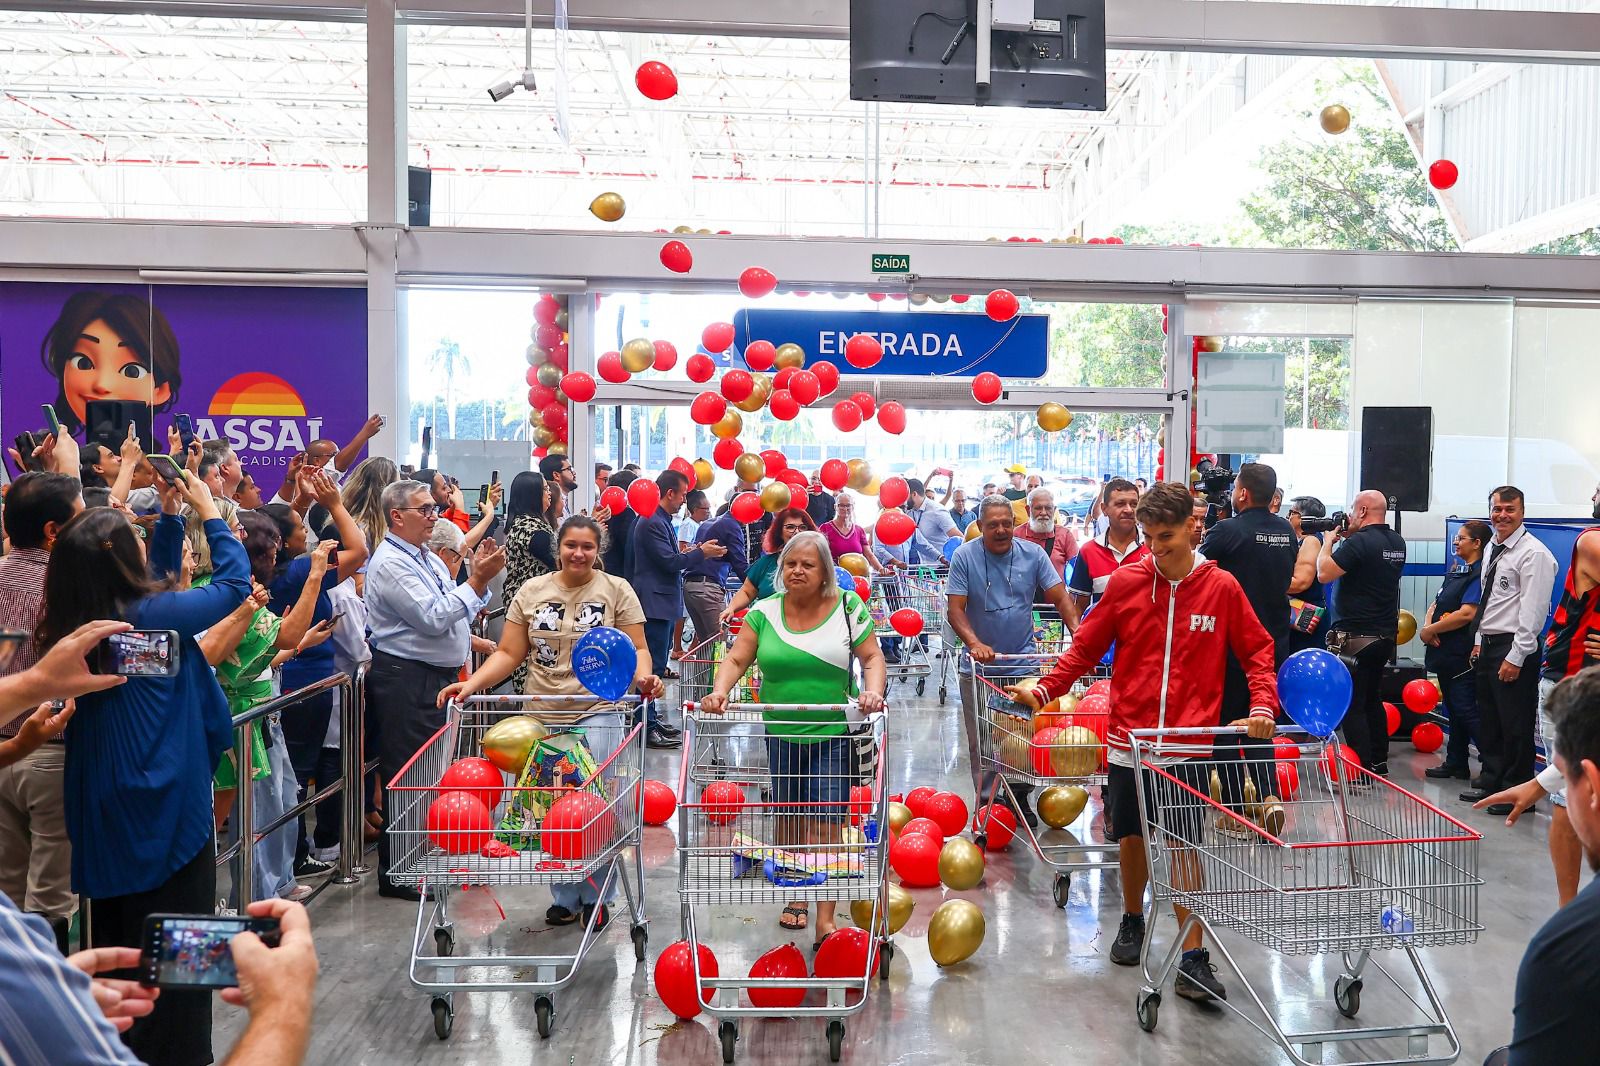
(1366, 557)
(1307, 600)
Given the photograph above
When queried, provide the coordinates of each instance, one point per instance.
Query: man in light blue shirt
(421, 626)
(933, 521)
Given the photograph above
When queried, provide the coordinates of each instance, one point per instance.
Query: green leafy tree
(448, 360)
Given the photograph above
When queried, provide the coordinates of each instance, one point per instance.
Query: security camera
(501, 90)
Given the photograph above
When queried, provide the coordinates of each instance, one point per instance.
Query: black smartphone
(193, 950)
(166, 468)
(10, 641)
(138, 653)
(25, 443)
(185, 426)
(483, 498)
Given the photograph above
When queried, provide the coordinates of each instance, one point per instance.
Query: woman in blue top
(140, 757)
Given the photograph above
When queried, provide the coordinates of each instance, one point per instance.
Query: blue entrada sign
(915, 344)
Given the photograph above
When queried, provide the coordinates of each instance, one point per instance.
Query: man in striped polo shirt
(1118, 546)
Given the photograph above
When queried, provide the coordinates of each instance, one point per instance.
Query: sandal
(559, 915)
(817, 943)
(798, 912)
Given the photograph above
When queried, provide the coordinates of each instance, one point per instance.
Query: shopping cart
(1346, 862)
(1007, 748)
(420, 857)
(915, 591)
(754, 851)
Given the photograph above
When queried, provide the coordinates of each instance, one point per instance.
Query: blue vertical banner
(915, 344)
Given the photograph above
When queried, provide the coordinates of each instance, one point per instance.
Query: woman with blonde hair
(362, 495)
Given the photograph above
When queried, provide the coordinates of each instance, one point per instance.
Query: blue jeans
(274, 794)
(1461, 706)
(658, 639)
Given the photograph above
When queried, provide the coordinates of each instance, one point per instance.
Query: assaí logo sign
(262, 416)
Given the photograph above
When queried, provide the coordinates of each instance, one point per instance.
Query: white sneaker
(298, 894)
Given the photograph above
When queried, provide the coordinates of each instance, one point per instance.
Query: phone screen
(185, 426)
(483, 496)
(184, 951)
(10, 641)
(139, 653)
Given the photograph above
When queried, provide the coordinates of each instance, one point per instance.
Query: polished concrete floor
(1040, 989)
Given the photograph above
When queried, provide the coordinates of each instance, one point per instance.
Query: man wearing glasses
(420, 621)
(558, 470)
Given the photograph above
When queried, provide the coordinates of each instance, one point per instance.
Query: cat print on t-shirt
(548, 615)
(591, 614)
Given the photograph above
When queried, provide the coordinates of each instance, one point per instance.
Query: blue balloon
(847, 580)
(1314, 687)
(604, 660)
(949, 549)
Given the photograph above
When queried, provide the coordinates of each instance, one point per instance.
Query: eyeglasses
(430, 510)
(793, 527)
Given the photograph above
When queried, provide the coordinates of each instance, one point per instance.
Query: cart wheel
(542, 1011)
(922, 685)
(982, 840)
(1148, 1008)
(835, 1039)
(444, 1017)
(884, 955)
(944, 694)
(640, 937)
(444, 941)
(1060, 888)
(1347, 996)
(730, 1036)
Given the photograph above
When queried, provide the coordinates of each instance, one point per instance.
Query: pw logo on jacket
(1202, 623)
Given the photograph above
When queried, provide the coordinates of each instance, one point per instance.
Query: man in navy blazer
(657, 564)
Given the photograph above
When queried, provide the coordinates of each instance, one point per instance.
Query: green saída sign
(885, 263)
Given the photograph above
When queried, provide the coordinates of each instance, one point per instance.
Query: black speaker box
(1397, 454)
(419, 191)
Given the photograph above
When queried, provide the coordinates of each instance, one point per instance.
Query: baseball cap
(1016, 468)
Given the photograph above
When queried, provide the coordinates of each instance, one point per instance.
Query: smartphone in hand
(138, 653)
(193, 951)
(166, 468)
(185, 426)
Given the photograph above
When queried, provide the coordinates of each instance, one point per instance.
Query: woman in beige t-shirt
(545, 618)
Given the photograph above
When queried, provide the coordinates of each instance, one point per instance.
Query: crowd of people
(116, 791)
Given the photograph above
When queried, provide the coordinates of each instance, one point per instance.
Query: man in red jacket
(1172, 618)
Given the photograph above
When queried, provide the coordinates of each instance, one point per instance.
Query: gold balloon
(704, 475)
(960, 864)
(1075, 752)
(918, 299)
(548, 375)
(758, 396)
(899, 815)
(557, 449)
(1408, 627)
(972, 533)
(1211, 344)
(1060, 805)
(789, 355)
(1335, 118)
(1072, 239)
(955, 932)
(873, 486)
(608, 207)
(1016, 751)
(854, 839)
(750, 467)
(682, 229)
(775, 496)
(860, 474)
(562, 318)
(901, 904)
(1052, 417)
(729, 426)
(508, 742)
(537, 356)
(542, 437)
(637, 355)
(854, 562)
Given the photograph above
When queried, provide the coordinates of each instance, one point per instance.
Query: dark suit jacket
(656, 563)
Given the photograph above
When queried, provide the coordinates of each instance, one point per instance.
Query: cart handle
(694, 705)
(510, 698)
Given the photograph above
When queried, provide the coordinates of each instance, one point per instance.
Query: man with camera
(1366, 557)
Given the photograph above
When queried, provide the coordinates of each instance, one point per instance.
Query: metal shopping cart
(422, 853)
(743, 848)
(1014, 747)
(918, 592)
(1334, 860)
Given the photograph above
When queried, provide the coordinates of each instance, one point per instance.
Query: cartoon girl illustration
(107, 346)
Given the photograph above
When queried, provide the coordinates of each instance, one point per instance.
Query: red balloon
(659, 802)
(760, 355)
(726, 452)
(1288, 780)
(531, 377)
(846, 416)
(684, 467)
(864, 401)
(476, 777)
(756, 282)
(656, 80)
(676, 257)
(545, 311)
(863, 589)
(776, 463)
(908, 623)
(699, 367)
(614, 498)
(1420, 696)
(834, 475)
(1285, 748)
(722, 799)
(611, 369)
(805, 387)
(717, 337)
(644, 497)
(947, 808)
(1442, 174)
(547, 336)
(737, 385)
(795, 479)
(746, 507)
(578, 386)
(459, 823)
(707, 408)
(783, 405)
(986, 387)
(827, 376)
(577, 825)
(960, 298)
(917, 799)
(915, 857)
(554, 415)
(895, 527)
(1427, 736)
(666, 355)
(860, 803)
(851, 952)
(785, 961)
(558, 355)
(781, 379)
(675, 982)
(541, 396)
(1392, 714)
(863, 351)
(892, 417)
(1001, 305)
(1101, 687)
(997, 825)
(1338, 754)
(1039, 750)
(893, 492)
(877, 297)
